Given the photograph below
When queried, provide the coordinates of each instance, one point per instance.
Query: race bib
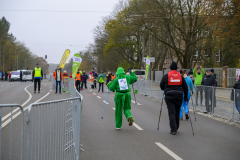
(123, 84)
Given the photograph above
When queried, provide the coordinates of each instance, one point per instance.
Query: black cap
(173, 66)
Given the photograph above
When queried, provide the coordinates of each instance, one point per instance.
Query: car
(141, 74)
(15, 76)
(27, 75)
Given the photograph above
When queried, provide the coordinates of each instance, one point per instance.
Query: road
(142, 141)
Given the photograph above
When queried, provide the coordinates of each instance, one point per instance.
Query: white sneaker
(118, 128)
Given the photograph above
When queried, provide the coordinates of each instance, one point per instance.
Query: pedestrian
(214, 93)
(65, 74)
(122, 97)
(185, 104)
(108, 77)
(58, 76)
(101, 78)
(78, 80)
(174, 85)
(9, 75)
(21, 75)
(113, 76)
(84, 79)
(6, 76)
(37, 77)
(236, 86)
(198, 73)
(208, 82)
(91, 80)
(95, 78)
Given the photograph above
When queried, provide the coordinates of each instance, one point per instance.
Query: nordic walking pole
(134, 94)
(105, 104)
(191, 122)
(160, 114)
(193, 110)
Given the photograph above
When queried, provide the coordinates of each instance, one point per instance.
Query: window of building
(196, 57)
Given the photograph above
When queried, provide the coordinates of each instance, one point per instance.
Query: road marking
(168, 151)
(105, 102)
(98, 97)
(17, 114)
(135, 103)
(15, 110)
(94, 93)
(134, 124)
(50, 90)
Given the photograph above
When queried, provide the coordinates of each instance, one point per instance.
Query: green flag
(76, 64)
(147, 66)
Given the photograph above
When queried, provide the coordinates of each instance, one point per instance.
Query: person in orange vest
(58, 76)
(78, 80)
(113, 76)
(91, 80)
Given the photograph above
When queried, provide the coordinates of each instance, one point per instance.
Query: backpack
(101, 80)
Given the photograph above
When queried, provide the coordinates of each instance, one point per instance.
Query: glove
(185, 98)
(192, 92)
(109, 84)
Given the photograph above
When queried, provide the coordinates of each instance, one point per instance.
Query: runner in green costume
(123, 96)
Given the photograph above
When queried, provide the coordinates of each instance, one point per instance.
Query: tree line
(15, 54)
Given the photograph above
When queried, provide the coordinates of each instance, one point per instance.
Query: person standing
(122, 97)
(37, 77)
(214, 94)
(91, 80)
(58, 76)
(198, 73)
(190, 74)
(174, 85)
(21, 75)
(208, 82)
(84, 79)
(95, 78)
(236, 86)
(108, 77)
(185, 104)
(78, 80)
(9, 75)
(113, 76)
(101, 81)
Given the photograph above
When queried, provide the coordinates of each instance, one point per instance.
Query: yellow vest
(37, 72)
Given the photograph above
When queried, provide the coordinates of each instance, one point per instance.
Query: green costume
(122, 97)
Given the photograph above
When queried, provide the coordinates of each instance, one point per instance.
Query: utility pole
(143, 50)
(25, 63)
(17, 61)
(150, 55)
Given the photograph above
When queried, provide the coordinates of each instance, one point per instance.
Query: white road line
(15, 110)
(135, 103)
(168, 151)
(134, 124)
(105, 102)
(50, 90)
(94, 93)
(98, 97)
(17, 114)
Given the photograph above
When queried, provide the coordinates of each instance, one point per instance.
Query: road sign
(152, 59)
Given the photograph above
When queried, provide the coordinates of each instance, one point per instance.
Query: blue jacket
(189, 82)
(84, 77)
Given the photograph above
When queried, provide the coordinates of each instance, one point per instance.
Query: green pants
(122, 102)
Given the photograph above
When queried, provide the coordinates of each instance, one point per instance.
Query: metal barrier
(8, 132)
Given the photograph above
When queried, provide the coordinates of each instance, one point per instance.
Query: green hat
(120, 70)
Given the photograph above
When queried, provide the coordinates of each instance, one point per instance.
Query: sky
(50, 33)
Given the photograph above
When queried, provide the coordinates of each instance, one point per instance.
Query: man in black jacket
(84, 79)
(208, 83)
(236, 86)
(174, 85)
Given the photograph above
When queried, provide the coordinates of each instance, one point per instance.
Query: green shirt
(198, 77)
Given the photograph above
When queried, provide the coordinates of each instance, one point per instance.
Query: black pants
(100, 84)
(78, 85)
(35, 84)
(84, 83)
(95, 84)
(208, 98)
(174, 105)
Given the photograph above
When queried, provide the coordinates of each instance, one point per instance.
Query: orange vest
(78, 76)
(91, 79)
(174, 78)
(113, 77)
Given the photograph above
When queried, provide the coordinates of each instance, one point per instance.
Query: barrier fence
(52, 132)
(215, 101)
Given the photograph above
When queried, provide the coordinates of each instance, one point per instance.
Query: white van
(141, 74)
(27, 75)
(15, 76)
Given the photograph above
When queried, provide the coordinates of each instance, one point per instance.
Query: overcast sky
(51, 33)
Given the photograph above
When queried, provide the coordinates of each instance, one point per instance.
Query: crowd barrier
(215, 101)
(52, 132)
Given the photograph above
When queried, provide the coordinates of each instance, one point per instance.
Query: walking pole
(134, 94)
(105, 104)
(193, 110)
(191, 122)
(160, 114)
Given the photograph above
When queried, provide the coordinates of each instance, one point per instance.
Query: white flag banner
(77, 59)
(147, 61)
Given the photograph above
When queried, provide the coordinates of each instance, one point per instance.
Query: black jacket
(84, 77)
(209, 80)
(173, 90)
(237, 85)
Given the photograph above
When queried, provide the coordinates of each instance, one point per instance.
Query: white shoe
(118, 128)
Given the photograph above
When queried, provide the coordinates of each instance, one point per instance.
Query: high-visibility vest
(113, 77)
(37, 72)
(91, 79)
(78, 76)
(174, 78)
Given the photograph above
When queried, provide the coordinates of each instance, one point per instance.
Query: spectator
(91, 80)
(198, 73)
(78, 80)
(208, 81)
(58, 76)
(6, 76)
(101, 81)
(84, 80)
(9, 75)
(65, 74)
(215, 76)
(95, 78)
(113, 76)
(236, 86)
(108, 77)
(190, 74)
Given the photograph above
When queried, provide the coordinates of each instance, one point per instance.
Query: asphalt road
(142, 141)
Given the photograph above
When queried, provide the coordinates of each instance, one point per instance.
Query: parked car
(141, 75)
(15, 76)
(27, 75)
